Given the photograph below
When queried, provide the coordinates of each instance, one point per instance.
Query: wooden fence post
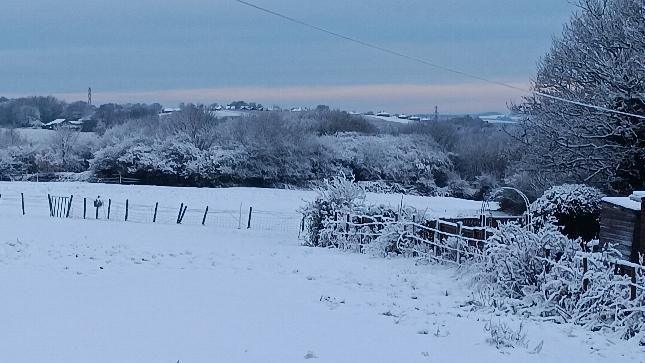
(84, 207)
(183, 213)
(204, 219)
(585, 268)
(69, 206)
(459, 227)
(181, 208)
(547, 255)
(436, 238)
(109, 208)
(127, 209)
(248, 224)
(154, 218)
(347, 225)
(22, 197)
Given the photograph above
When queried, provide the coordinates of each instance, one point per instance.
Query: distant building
(622, 223)
(169, 111)
(60, 123)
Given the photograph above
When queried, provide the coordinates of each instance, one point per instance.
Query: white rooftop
(55, 122)
(632, 202)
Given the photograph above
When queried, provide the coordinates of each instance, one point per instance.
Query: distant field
(42, 136)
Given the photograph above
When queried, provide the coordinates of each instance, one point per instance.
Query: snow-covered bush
(517, 272)
(514, 259)
(340, 195)
(574, 207)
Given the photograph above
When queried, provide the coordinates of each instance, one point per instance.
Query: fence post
(248, 224)
(183, 213)
(204, 219)
(181, 208)
(154, 218)
(547, 255)
(585, 281)
(84, 207)
(436, 238)
(347, 224)
(459, 227)
(51, 212)
(109, 208)
(22, 198)
(127, 209)
(69, 206)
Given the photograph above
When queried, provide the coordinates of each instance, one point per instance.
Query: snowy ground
(96, 291)
(274, 209)
(45, 137)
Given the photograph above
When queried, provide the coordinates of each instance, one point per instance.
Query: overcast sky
(206, 51)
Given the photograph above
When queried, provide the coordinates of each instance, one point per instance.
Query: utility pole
(89, 96)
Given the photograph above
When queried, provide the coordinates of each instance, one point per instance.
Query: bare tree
(64, 142)
(194, 123)
(598, 60)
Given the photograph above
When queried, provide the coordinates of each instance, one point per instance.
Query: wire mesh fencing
(126, 210)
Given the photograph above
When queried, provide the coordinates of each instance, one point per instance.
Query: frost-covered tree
(194, 124)
(599, 60)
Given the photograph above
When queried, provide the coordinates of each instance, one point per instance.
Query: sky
(173, 51)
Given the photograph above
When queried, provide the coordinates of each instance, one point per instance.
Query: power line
(429, 63)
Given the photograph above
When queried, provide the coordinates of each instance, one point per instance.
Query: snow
(91, 291)
(390, 119)
(78, 290)
(625, 202)
(229, 199)
(227, 113)
(57, 121)
(637, 195)
(44, 136)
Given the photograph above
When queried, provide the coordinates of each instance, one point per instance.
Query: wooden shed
(622, 223)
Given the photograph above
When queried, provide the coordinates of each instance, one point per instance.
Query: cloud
(410, 98)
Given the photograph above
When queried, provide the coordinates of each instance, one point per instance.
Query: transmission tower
(436, 113)
(89, 96)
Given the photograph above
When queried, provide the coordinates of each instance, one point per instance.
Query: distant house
(168, 111)
(60, 123)
(622, 223)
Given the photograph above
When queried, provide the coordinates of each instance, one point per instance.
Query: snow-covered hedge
(574, 207)
(520, 274)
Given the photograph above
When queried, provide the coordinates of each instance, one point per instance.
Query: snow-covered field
(44, 137)
(274, 209)
(389, 119)
(95, 291)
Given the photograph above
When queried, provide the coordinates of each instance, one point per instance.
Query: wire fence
(127, 210)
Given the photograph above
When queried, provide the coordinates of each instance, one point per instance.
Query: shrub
(338, 195)
(573, 207)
